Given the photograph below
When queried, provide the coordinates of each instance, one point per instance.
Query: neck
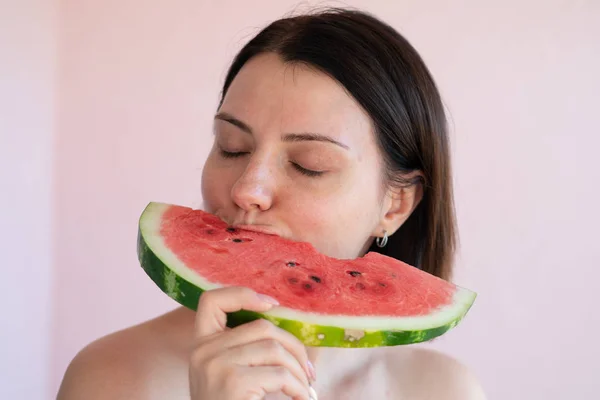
(335, 364)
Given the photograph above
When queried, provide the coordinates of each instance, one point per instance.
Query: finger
(267, 352)
(211, 314)
(262, 329)
(273, 379)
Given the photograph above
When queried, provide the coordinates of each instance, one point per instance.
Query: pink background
(107, 105)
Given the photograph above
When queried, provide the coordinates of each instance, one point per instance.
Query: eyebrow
(288, 137)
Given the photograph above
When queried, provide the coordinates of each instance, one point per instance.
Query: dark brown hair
(388, 78)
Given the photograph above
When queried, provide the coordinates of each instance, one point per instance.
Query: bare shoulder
(134, 363)
(430, 374)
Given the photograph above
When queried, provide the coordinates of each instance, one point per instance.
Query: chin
(337, 252)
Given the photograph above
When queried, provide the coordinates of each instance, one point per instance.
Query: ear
(398, 205)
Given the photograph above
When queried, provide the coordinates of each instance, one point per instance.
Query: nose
(255, 188)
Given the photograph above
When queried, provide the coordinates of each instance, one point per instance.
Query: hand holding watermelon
(246, 362)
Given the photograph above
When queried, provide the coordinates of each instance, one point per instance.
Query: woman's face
(295, 155)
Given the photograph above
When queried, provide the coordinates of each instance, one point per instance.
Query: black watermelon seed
(231, 229)
(237, 240)
(315, 278)
(354, 273)
(360, 286)
(291, 264)
(293, 281)
(382, 284)
(307, 286)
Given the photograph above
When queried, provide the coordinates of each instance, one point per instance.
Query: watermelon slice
(371, 301)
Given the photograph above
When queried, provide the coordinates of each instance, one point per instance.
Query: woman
(330, 130)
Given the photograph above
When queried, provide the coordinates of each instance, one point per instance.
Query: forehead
(275, 97)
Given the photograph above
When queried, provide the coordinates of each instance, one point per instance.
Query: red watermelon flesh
(296, 275)
(188, 251)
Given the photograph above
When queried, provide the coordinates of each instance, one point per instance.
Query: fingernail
(311, 371)
(312, 393)
(267, 299)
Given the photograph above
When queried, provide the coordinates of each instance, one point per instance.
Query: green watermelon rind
(185, 287)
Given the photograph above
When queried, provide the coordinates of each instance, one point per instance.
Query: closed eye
(229, 154)
(307, 172)
(297, 167)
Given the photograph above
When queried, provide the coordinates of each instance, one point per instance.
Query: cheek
(215, 186)
(338, 225)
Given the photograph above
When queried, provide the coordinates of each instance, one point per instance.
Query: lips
(258, 228)
(246, 220)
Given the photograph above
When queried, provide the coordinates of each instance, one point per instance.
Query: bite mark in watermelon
(370, 301)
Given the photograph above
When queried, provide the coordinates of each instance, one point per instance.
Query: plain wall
(28, 61)
(137, 86)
